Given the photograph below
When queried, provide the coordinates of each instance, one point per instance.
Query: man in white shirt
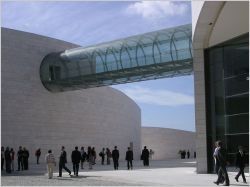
(51, 162)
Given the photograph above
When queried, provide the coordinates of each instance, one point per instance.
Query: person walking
(109, 155)
(217, 165)
(12, 154)
(151, 153)
(7, 157)
(102, 155)
(94, 155)
(2, 157)
(38, 154)
(181, 153)
(25, 158)
(90, 157)
(184, 154)
(221, 158)
(129, 158)
(240, 162)
(83, 157)
(51, 162)
(62, 162)
(145, 156)
(115, 156)
(20, 158)
(188, 154)
(76, 158)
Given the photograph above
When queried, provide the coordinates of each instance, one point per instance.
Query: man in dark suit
(102, 155)
(145, 156)
(62, 162)
(115, 156)
(129, 158)
(221, 158)
(25, 158)
(184, 154)
(20, 158)
(7, 157)
(76, 158)
(38, 154)
(2, 158)
(240, 163)
(188, 154)
(217, 164)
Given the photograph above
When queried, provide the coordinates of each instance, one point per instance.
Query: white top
(49, 158)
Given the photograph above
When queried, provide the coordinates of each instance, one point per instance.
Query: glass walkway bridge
(154, 55)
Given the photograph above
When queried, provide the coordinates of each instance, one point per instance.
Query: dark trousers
(130, 164)
(25, 164)
(103, 160)
(2, 163)
(146, 162)
(241, 172)
(8, 166)
(62, 166)
(76, 168)
(222, 178)
(20, 163)
(116, 164)
(222, 173)
(37, 159)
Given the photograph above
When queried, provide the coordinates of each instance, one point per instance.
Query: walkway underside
(164, 53)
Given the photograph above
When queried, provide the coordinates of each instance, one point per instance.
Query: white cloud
(158, 97)
(158, 9)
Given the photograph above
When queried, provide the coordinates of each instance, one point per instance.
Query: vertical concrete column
(204, 17)
(200, 110)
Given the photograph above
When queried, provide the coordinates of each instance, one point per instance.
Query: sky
(164, 102)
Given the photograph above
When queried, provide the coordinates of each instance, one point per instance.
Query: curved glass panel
(164, 53)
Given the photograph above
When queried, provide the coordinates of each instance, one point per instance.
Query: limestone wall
(166, 143)
(34, 117)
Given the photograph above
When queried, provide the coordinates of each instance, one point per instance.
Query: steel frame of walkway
(154, 55)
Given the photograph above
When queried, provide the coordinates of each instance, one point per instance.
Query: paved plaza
(160, 173)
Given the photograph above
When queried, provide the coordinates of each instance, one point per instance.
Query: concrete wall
(232, 21)
(166, 143)
(202, 25)
(34, 117)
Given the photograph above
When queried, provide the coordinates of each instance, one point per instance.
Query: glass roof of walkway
(154, 55)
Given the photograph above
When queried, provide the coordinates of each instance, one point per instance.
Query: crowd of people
(221, 164)
(186, 154)
(81, 156)
(89, 156)
(77, 158)
(8, 158)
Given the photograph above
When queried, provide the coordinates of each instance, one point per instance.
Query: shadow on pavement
(36, 170)
(23, 173)
(62, 178)
(83, 176)
(240, 184)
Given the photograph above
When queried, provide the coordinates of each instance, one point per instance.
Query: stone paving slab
(160, 173)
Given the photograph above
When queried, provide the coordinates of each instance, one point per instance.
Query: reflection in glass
(227, 82)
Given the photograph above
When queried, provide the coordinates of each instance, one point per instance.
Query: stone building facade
(36, 118)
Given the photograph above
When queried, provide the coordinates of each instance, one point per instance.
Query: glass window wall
(227, 91)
